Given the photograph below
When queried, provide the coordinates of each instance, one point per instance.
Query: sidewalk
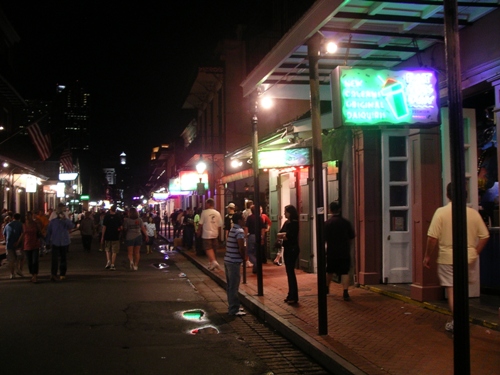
(380, 331)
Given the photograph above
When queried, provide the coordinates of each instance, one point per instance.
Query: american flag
(67, 160)
(40, 140)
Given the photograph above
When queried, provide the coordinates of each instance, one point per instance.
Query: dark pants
(59, 252)
(33, 257)
(87, 242)
(188, 236)
(198, 242)
(291, 255)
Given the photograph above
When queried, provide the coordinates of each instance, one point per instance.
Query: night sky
(137, 60)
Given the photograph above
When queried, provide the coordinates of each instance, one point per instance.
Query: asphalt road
(99, 321)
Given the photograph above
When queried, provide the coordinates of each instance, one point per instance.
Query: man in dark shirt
(250, 232)
(110, 238)
(338, 236)
(228, 219)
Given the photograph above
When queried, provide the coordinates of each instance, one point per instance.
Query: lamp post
(256, 189)
(201, 167)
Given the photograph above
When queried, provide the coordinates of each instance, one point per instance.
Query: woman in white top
(151, 230)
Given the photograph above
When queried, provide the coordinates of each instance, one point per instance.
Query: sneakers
(240, 313)
(108, 265)
(249, 264)
(136, 268)
(12, 276)
(20, 273)
(131, 266)
(449, 326)
(112, 267)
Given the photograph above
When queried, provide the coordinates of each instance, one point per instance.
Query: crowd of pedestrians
(28, 238)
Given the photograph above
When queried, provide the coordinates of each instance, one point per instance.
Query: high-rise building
(73, 110)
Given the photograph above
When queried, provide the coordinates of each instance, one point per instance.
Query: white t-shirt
(211, 221)
(441, 229)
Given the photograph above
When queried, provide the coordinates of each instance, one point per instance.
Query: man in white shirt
(209, 228)
(440, 236)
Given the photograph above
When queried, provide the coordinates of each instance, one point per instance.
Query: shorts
(137, 241)
(445, 274)
(13, 255)
(151, 240)
(338, 266)
(209, 244)
(113, 246)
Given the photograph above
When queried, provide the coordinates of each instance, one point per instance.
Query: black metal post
(313, 52)
(461, 340)
(256, 198)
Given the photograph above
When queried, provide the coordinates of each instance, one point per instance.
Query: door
(306, 255)
(470, 159)
(274, 210)
(396, 251)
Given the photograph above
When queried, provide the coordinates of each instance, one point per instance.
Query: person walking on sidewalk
(338, 236)
(58, 237)
(43, 222)
(188, 229)
(112, 225)
(235, 254)
(135, 233)
(289, 233)
(250, 231)
(31, 244)
(87, 230)
(15, 256)
(209, 228)
(440, 236)
(152, 234)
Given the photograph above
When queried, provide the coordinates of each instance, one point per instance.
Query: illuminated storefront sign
(385, 97)
(189, 180)
(160, 196)
(292, 157)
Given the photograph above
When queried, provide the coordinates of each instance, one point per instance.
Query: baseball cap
(231, 205)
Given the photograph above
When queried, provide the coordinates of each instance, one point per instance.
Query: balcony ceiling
(371, 34)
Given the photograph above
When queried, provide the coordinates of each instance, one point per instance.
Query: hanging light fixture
(201, 166)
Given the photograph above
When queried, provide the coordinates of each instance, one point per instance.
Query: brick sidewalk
(375, 333)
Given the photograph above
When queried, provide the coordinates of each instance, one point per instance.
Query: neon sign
(291, 157)
(385, 97)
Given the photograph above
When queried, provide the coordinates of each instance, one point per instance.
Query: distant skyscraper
(73, 109)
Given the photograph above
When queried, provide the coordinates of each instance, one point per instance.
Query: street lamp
(265, 103)
(201, 167)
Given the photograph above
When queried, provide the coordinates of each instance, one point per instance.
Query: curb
(316, 350)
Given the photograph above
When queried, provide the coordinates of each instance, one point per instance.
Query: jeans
(252, 251)
(59, 252)
(291, 255)
(233, 283)
(32, 257)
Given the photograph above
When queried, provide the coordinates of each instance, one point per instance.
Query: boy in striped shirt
(235, 253)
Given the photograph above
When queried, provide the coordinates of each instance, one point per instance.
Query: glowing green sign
(291, 157)
(385, 97)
